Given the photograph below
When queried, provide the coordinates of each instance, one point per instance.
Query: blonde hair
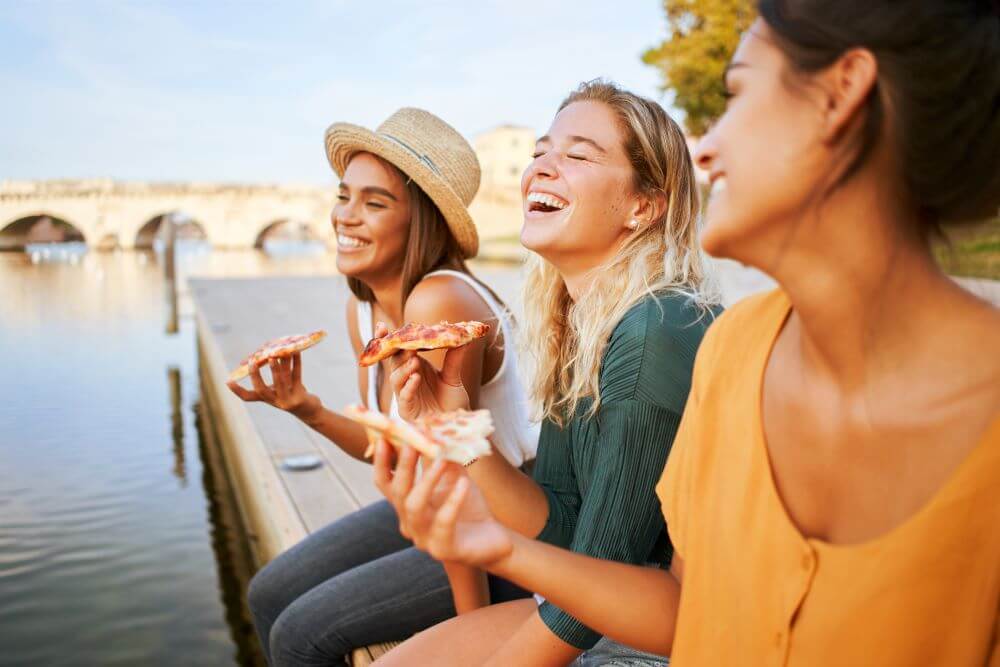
(565, 340)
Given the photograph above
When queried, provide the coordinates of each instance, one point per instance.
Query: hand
(421, 389)
(446, 515)
(287, 391)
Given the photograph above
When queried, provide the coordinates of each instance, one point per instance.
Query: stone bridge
(105, 213)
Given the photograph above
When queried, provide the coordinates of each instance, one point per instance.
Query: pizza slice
(458, 436)
(285, 346)
(422, 337)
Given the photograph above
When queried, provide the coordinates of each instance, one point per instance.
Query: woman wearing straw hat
(403, 235)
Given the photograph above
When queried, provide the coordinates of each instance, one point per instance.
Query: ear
(848, 82)
(649, 207)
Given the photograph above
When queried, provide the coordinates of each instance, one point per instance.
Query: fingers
(403, 369)
(297, 368)
(400, 358)
(409, 391)
(381, 330)
(402, 476)
(385, 458)
(263, 391)
(442, 530)
(244, 394)
(451, 368)
(418, 498)
(280, 375)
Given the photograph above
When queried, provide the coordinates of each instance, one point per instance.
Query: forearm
(514, 498)
(343, 432)
(632, 604)
(469, 587)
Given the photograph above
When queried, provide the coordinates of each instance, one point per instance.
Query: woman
(616, 303)
(403, 233)
(834, 492)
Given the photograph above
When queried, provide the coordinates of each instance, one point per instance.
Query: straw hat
(426, 149)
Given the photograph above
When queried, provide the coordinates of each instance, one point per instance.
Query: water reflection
(108, 553)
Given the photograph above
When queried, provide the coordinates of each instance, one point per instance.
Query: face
(577, 193)
(371, 219)
(765, 156)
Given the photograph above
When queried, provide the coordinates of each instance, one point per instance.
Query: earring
(633, 224)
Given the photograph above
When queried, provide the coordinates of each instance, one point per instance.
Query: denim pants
(358, 582)
(353, 583)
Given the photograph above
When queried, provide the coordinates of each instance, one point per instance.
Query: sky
(230, 91)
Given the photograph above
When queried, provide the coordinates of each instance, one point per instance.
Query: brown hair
(430, 246)
(938, 80)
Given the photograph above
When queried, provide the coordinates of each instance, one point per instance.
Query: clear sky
(242, 91)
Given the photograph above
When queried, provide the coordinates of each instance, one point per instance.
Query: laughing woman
(403, 233)
(616, 303)
(833, 495)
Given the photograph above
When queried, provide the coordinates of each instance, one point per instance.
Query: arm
(288, 393)
(469, 586)
(448, 517)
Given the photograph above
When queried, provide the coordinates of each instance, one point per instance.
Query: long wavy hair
(565, 339)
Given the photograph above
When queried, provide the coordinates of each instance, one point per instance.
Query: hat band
(423, 158)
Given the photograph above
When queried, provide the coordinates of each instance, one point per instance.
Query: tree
(701, 38)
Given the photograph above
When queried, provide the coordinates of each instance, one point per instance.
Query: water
(118, 543)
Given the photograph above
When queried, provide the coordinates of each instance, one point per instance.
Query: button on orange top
(925, 593)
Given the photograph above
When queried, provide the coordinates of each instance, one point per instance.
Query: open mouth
(351, 242)
(540, 202)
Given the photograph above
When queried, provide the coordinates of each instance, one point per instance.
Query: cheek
(770, 161)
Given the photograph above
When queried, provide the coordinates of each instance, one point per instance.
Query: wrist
(309, 409)
(505, 565)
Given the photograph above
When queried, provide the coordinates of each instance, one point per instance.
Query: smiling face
(578, 194)
(765, 156)
(371, 219)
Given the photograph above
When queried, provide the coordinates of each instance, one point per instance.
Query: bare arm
(448, 517)
(469, 586)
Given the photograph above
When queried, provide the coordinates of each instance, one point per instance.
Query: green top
(599, 474)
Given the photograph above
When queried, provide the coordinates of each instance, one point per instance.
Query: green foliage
(701, 38)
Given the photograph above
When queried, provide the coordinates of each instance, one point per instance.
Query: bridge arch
(286, 229)
(189, 228)
(40, 227)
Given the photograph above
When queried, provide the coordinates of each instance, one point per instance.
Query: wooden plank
(319, 495)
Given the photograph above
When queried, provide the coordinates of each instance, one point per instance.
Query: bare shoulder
(444, 297)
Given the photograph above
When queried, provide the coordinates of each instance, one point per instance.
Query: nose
(542, 167)
(705, 151)
(343, 214)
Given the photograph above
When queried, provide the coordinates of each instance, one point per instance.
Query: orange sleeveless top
(756, 592)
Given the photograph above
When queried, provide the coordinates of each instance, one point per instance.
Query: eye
(342, 198)
(537, 154)
(576, 156)
(375, 204)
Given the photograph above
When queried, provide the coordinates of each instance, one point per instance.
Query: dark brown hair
(430, 246)
(938, 81)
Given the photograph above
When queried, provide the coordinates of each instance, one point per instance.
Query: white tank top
(515, 437)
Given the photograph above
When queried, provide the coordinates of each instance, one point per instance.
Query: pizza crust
(422, 337)
(277, 348)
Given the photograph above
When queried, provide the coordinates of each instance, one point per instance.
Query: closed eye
(571, 156)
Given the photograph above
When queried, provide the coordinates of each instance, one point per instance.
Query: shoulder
(444, 297)
(745, 324)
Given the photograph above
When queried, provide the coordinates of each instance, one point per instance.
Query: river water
(118, 544)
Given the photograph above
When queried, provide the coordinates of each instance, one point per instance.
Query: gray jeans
(358, 582)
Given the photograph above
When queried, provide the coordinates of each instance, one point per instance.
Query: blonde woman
(403, 235)
(616, 302)
(834, 491)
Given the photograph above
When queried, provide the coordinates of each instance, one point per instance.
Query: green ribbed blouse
(599, 473)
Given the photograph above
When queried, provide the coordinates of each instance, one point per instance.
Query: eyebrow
(372, 190)
(576, 139)
(733, 65)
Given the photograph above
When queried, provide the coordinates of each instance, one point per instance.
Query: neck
(864, 289)
(389, 297)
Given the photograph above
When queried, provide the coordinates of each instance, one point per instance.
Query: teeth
(350, 241)
(547, 200)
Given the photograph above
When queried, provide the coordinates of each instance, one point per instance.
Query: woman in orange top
(833, 495)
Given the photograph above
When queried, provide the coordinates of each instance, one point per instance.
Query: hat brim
(344, 140)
